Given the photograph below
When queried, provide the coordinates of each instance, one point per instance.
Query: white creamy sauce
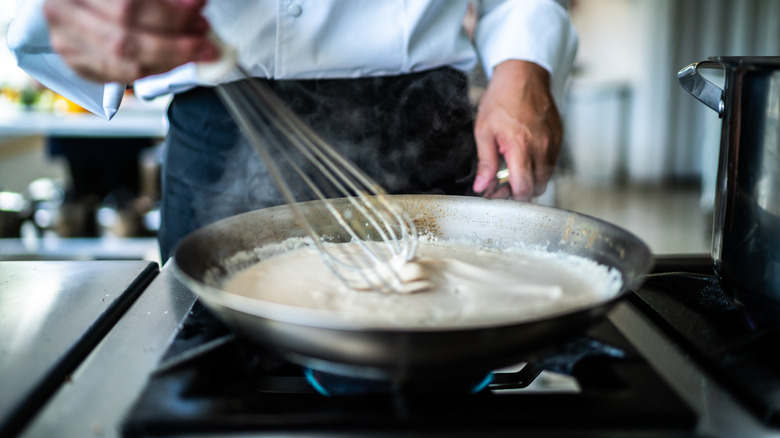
(471, 285)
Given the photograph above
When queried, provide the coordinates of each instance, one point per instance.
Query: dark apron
(411, 133)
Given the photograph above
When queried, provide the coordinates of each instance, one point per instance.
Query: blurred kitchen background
(638, 152)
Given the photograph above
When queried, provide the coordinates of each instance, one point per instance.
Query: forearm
(538, 31)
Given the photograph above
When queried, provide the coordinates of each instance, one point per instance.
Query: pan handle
(699, 87)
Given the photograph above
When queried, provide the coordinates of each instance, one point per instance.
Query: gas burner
(335, 385)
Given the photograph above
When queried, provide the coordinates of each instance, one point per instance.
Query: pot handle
(699, 87)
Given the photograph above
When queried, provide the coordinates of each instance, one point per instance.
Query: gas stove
(677, 357)
(226, 385)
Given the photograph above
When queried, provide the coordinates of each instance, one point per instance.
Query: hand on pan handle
(519, 123)
(123, 40)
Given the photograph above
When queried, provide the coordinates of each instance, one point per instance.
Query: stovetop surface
(211, 381)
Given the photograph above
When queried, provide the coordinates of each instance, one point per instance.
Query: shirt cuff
(28, 39)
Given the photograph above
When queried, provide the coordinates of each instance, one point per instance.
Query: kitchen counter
(53, 247)
(52, 314)
(125, 124)
(135, 118)
(98, 393)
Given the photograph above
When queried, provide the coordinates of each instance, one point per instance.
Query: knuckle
(518, 142)
(122, 45)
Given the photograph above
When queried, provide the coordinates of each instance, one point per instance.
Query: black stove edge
(60, 373)
(698, 263)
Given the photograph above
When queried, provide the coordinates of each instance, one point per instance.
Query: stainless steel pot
(324, 341)
(746, 232)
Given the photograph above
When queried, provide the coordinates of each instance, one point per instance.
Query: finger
(126, 65)
(541, 166)
(501, 192)
(172, 16)
(542, 175)
(115, 71)
(98, 62)
(519, 162)
(75, 41)
(93, 62)
(488, 161)
(545, 158)
(156, 53)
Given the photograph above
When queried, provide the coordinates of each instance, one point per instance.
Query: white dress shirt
(306, 39)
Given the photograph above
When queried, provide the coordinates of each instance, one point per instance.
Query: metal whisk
(305, 167)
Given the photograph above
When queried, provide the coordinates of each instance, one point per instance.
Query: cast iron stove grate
(211, 382)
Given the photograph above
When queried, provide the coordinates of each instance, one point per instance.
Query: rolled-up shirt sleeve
(28, 40)
(538, 31)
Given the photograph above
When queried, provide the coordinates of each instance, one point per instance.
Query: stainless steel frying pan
(323, 341)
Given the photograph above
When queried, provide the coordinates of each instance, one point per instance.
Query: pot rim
(748, 61)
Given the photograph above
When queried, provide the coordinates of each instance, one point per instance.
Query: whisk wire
(335, 168)
(267, 123)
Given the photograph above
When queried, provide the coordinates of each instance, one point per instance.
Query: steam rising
(411, 135)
